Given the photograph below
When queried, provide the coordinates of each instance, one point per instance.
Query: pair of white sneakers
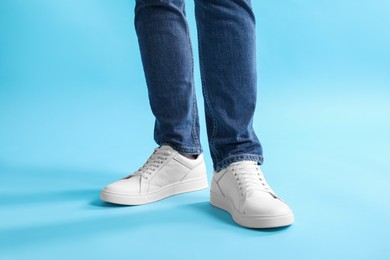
(239, 189)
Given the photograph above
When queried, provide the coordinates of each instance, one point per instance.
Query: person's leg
(167, 59)
(166, 54)
(226, 37)
(226, 31)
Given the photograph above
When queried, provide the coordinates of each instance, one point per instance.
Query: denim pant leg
(226, 37)
(167, 58)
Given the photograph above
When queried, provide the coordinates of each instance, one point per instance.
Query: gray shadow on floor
(28, 198)
(201, 214)
(113, 218)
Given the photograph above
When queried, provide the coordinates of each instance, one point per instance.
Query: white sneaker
(241, 190)
(165, 173)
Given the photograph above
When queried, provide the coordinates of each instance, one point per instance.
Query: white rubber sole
(173, 189)
(250, 221)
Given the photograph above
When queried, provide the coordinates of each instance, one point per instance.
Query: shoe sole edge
(250, 222)
(173, 189)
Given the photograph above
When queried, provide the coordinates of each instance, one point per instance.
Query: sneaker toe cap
(130, 186)
(264, 204)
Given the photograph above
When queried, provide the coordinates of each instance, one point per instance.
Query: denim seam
(206, 98)
(194, 107)
(194, 119)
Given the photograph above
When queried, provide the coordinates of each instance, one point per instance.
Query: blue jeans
(227, 55)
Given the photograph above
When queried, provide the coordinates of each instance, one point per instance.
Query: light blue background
(74, 116)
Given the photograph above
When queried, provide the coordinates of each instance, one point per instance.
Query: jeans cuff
(236, 158)
(184, 149)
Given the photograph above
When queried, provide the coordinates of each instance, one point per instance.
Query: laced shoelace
(249, 177)
(152, 164)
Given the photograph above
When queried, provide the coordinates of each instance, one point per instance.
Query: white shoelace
(249, 177)
(152, 164)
